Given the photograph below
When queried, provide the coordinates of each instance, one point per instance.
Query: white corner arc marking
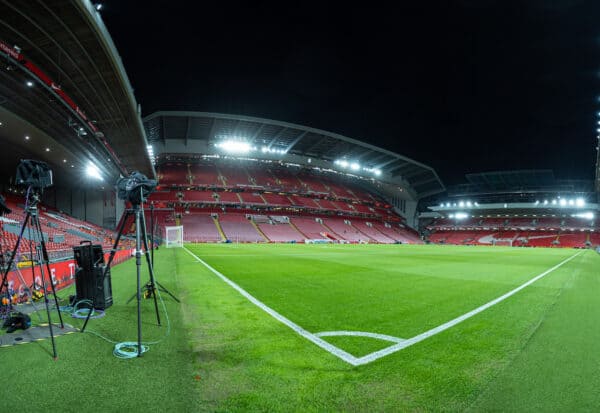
(401, 343)
(377, 336)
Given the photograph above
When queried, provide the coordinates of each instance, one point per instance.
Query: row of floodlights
(563, 202)
(464, 215)
(239, 146)
(242, 147)
(355, 166)
(461, 204)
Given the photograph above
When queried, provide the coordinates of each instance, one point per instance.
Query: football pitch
(397, 327)
(320, 328)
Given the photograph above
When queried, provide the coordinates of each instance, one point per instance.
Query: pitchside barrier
(62, 274)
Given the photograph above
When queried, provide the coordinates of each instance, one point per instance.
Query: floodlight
(29, 83)
(545, 202)
(92, 171)
(461, 215)
(580, 202)
(377, 172)
(584, 215)
(235, 146)
(461, 204)
(98, 6)
(554, 202)
(571, 202)
(469, 204)
(562, 202)
(343, 163)
(354, 166)
(448, 204)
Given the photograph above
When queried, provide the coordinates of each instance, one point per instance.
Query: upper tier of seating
(268, 178)
(514, 223)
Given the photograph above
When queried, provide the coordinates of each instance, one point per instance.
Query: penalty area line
(347, 357)
(416, 339)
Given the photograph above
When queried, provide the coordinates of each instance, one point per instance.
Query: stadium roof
(291, 139)
(534, 180)
(61, 73)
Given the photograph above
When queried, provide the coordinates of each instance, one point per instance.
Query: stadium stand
(231, 191)
(238, 228)
(60, 231)
(202, 175)
(200, 228)
(279, 229)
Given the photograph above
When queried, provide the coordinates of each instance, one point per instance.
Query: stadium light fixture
(266, 149)
(461, 215)
(562, 202)
(99, 6)
(554, 202)
(584, 215)
(545, 202)
(29, 83)
(354, 166)
(448, 204)
(571, 202)
(580, 202)
(235, 146)
(469, 204)
(377, 172)
(92, 171)
(461, 204)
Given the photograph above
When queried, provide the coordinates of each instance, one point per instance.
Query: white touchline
(347, 357)
(416, 339)
(401, 343)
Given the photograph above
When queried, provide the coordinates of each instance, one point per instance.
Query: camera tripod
(150, 288)
(137, 211)
(32, 218)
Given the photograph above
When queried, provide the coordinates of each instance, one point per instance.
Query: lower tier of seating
(219, 226)
(556, 239)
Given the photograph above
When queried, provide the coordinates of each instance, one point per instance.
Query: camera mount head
(135, 188)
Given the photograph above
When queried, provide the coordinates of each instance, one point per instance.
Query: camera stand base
(148, 291)
(34, 334)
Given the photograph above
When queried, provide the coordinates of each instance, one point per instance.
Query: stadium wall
(96, 206)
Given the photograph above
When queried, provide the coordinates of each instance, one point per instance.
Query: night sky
(463, 86)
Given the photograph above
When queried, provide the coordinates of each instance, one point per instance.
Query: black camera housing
(34, 174)
(135, 188)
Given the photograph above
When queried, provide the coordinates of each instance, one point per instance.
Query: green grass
(87, 377)
(534, 351)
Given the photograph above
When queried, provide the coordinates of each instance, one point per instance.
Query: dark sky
(463, 86)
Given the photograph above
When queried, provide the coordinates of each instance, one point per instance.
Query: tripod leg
(163, 289)
(138, 264)
(43, 277)
(46, 261)
(150, 267)
(107, 268)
